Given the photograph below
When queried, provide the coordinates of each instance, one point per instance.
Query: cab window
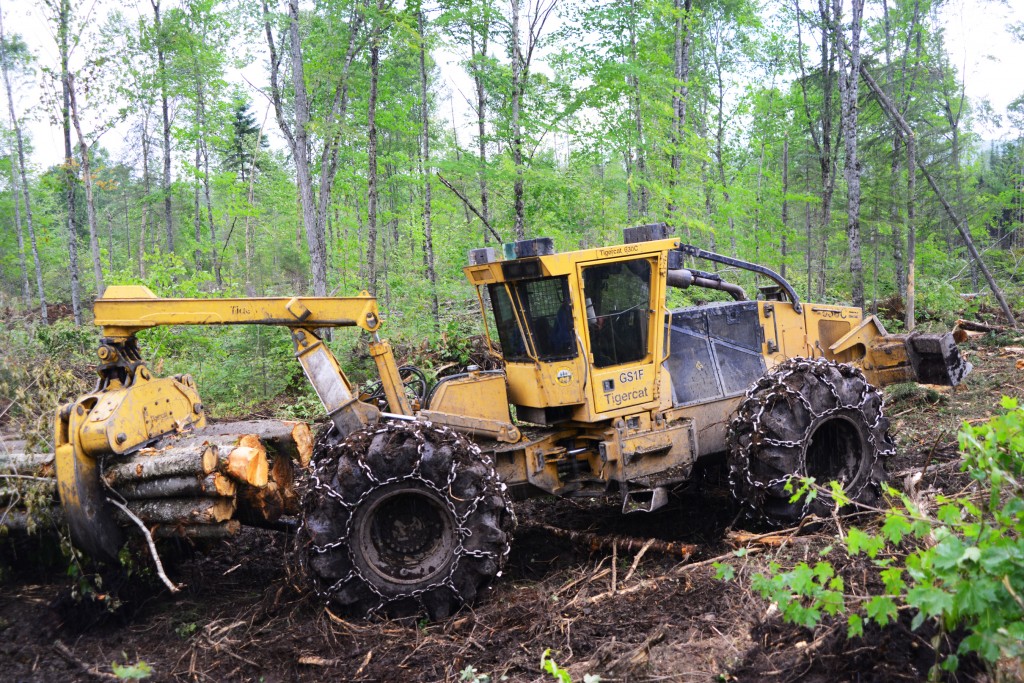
(618, 299)
(513, 348)
(546, 308)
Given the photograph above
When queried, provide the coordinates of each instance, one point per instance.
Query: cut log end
(248, 465)
(303, 438)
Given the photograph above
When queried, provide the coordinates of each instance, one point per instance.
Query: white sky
(979, 46)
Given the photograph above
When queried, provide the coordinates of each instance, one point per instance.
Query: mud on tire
(403, 519)
(807, 418)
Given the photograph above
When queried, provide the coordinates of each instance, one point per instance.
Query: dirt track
(241, 619)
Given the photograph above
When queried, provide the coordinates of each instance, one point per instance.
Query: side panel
(716, 351)
(541, 385)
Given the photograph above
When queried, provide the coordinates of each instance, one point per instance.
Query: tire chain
(327, 453)
(748, 423)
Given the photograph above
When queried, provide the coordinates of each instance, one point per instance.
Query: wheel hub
(405, 534)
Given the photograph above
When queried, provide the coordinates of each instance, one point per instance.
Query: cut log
(213, 485)
(17, 520)
(283, 476)
(247, 465)
(27, 463)
(623, 543)
(283, 437)
(260, 505)
(175, 461)
(199, 531)
(973, 326)
(182, 510)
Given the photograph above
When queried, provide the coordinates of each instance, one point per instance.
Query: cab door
(620, 331)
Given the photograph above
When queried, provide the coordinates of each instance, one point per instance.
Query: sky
(978, 43)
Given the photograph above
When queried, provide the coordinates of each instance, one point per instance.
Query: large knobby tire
(807, 418)
(403, 519)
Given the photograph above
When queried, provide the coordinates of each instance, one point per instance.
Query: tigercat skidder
(403, 507)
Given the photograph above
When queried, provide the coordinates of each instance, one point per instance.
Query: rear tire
(403, 519)
(807, 418)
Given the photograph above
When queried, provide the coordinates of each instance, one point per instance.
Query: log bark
(18, 520)
(291, 439)
(214, 485)
(973, 326)
(175, 461)
(200, 531)
(27, 463)
(182, 511)
(623, 543)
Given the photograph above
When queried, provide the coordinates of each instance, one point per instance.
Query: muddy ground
(240, 616)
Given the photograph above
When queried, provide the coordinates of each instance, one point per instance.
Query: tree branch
(469, 205)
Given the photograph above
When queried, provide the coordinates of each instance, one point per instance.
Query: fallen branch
(625, 543)
(469, 204)
(70, 658)
(149, 540)
(972, 326)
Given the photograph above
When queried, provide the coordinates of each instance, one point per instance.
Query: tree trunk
(517, 133)
(680, 95)
(894, 211)
(314, 240)
(314, 216)
(785, 204)
(425, 171)
(371, 180)
(187, 486)
(26, 293)
(197, 221)
(145, 199)
(164, 109)
(20, 174)
(69, 161)
(90, 199)
(481, 116)
(848, 92)
(638, 119)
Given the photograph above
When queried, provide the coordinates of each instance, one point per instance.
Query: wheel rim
(405, 535)
(835, 450)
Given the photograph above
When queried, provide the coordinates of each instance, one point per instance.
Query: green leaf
(857, 541)
(724, 571)
(855, 626)
(930, 600)
(882, 609)
(896, 526)
(132, 672)
(892, 578)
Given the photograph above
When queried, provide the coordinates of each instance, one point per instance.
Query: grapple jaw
(936, 359)
(90, 517)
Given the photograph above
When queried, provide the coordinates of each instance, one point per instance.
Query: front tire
(403, 519)
(807, 418)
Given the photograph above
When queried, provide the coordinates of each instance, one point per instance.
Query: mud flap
(936, 359)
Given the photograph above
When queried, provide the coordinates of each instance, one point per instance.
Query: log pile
(203, 484)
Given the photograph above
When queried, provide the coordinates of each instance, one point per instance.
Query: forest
(259, 148)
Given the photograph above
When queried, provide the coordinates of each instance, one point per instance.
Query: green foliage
(132, 672)
(471, 675)
(549, 666)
